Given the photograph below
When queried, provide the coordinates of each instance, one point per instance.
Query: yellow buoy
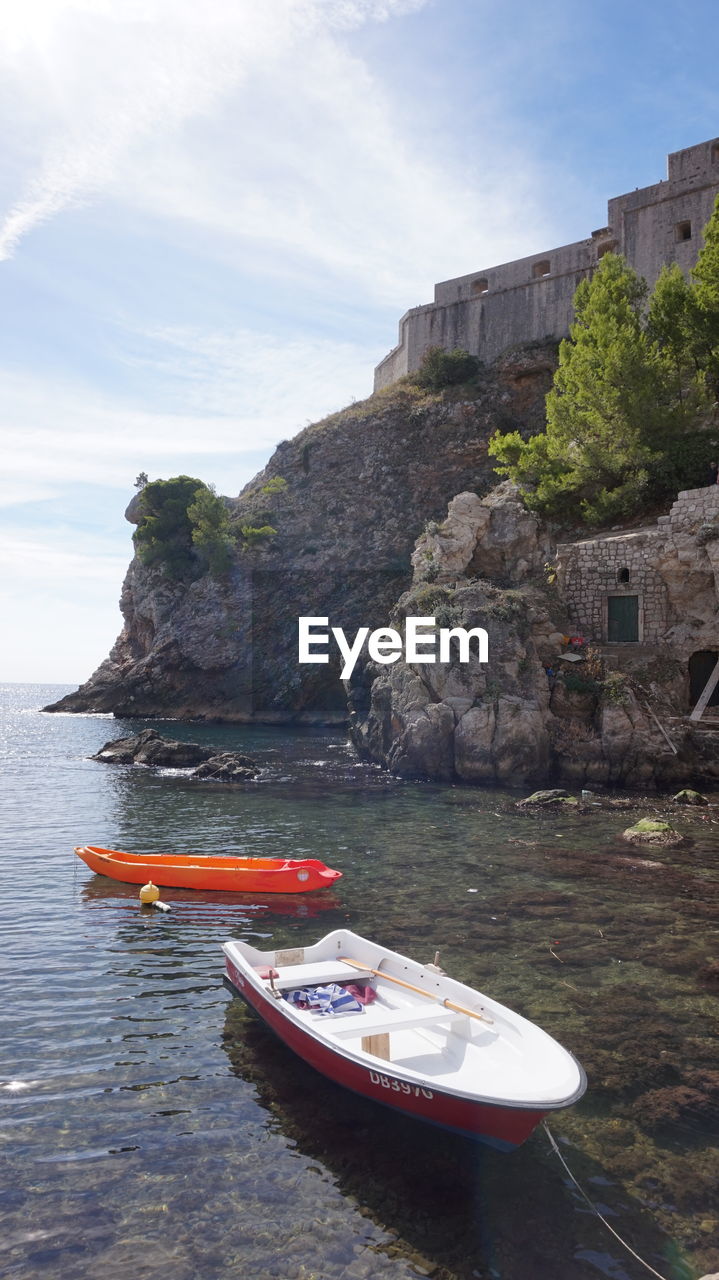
(149, 892)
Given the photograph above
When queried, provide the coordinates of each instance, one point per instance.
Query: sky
(212, 217)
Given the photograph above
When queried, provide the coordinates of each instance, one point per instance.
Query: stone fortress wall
(531, 299)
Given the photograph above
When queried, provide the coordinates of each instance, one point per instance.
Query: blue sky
(212, 217)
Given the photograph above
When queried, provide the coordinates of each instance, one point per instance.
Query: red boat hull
(234, 875)
(501, 1126)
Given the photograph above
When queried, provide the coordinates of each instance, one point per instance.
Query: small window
(480, 286)
(541, 269)
(715, 153)
(683, 231)
(622, 575)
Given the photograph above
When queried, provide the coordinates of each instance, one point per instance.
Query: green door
(622, 619)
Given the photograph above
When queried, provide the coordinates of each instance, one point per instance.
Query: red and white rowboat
(426, 1045)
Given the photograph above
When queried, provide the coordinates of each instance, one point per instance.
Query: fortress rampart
(531, 299)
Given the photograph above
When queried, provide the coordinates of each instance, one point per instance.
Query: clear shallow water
(165, 1131)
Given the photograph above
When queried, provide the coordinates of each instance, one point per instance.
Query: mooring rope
(594, 1208)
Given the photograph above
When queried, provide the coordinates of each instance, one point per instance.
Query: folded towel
(326, 1001)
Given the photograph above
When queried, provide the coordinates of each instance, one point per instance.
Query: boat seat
(317, 974)
(378, 1019)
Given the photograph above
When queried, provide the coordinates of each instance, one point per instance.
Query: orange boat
(239, 875)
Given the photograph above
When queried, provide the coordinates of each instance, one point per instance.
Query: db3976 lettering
(399, 1086)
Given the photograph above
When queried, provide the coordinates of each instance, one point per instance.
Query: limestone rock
(687, 796)
(360, 487)
(554, 797)
(649, 831)
(494, 537)
(149, 748)
(227, 766)
(572, 704)
(520, 718)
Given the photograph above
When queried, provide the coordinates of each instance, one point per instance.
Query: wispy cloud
(110, 77)
(256, 123)
(53, 630)
(223, 394)
(42, 559)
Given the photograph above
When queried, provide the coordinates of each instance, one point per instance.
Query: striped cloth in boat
(327, 1000)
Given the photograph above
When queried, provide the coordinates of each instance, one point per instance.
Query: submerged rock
(687, 796)
(547, 799)
(149, 748)
(650, 831)
(227, 767)
(709, 975)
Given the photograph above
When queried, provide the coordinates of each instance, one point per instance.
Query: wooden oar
(448, 1004)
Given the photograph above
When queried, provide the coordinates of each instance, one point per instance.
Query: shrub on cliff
(440, 368)
(255, 535)
(164, 534)
(211, 533)
(184, 528)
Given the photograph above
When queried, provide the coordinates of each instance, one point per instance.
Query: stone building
(531, 299)
(612, 590)
(651, 586)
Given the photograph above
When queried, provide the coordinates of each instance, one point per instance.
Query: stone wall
(645, 563)
(592, 572)
(530, 300)
(692, 507)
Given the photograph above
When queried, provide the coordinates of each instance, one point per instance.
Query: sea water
(150, 1126)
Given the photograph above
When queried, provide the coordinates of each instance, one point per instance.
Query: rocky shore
(359, 488)
(535, 712)
(149, 748)
(388, 510)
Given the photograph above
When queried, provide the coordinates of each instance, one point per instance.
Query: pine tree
(624, 415)
(211, 531)
(594, 459)
(705, 314)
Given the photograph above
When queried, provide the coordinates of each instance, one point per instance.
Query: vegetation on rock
(211, 533)
(254, 535)
(439, 368)
(651, 831)
(164, 533)
(184, 528)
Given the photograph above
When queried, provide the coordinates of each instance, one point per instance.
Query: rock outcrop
(650, 831)
(529, 715)
(149, 748)
(359, 488)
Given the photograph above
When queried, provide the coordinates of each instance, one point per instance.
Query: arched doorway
(701, 665)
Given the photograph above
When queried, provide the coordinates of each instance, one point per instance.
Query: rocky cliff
(360, 487)
(532, 713)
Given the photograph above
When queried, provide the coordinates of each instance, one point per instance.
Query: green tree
(625, 392)
(211, 532)
(682, 391)
(705, 313)
(593, 459)
(164, 534)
